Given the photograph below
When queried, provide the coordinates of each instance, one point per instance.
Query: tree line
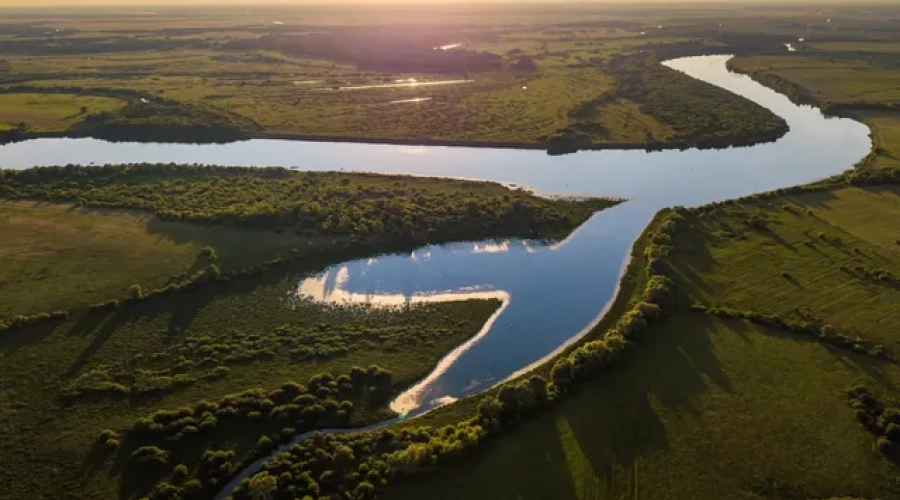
(366, 207)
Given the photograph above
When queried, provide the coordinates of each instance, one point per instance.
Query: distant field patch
(871, 47)
(51, 112)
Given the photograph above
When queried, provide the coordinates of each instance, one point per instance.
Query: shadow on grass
(13, 340)
(595, 438)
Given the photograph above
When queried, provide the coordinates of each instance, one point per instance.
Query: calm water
(551, 293)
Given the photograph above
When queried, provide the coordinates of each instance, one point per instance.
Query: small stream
(552, 294)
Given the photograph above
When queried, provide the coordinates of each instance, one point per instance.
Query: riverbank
(832, 84)
(750, 369)
(177, 137)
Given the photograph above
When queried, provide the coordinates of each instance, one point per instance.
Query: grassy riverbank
(862, 85)
(175, 286)
(709, 407)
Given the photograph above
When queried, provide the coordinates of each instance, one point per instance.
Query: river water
(551, 293)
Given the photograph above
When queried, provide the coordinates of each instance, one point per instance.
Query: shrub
(150, 455)
(865, 418)
(884, 445)
(892, 432)
(209, 253)
(364, 491)
(109, 439)
(181, 472)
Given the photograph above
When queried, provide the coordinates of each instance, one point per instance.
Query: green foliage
(167, 120)
(700, 114)
(321, 403)
(149, 456)
(383, 208)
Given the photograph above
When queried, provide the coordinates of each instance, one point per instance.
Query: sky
(74, 3)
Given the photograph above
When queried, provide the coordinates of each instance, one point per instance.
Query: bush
(136, 292)
(865, 418)
(884, 446)
(209, 253)
(150, 455)
(892, 432)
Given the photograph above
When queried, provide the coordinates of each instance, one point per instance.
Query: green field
(832, 81)
(50, 112)
(704, 409)
(56, 256)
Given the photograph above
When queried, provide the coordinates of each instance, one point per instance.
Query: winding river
(551, 294)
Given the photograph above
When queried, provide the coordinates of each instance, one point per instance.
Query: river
(551, 293)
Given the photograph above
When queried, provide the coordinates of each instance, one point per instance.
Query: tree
(562, 373)
(343, 457)
(213, 272)
(364, 491)
(262, 486)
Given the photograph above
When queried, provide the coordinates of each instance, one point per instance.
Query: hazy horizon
(249, 3)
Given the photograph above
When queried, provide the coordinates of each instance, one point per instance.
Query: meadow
(49, 113)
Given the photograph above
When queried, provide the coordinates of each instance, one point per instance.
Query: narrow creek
(552, 294)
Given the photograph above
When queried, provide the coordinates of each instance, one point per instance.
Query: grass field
(57, 256)
(719, 408)
(832, 80)
(50, 113)
(704, 409)
(862, 47)
(819, 240)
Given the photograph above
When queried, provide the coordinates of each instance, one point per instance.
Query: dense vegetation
(695, 113)
(166, 121)
(367, 207)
